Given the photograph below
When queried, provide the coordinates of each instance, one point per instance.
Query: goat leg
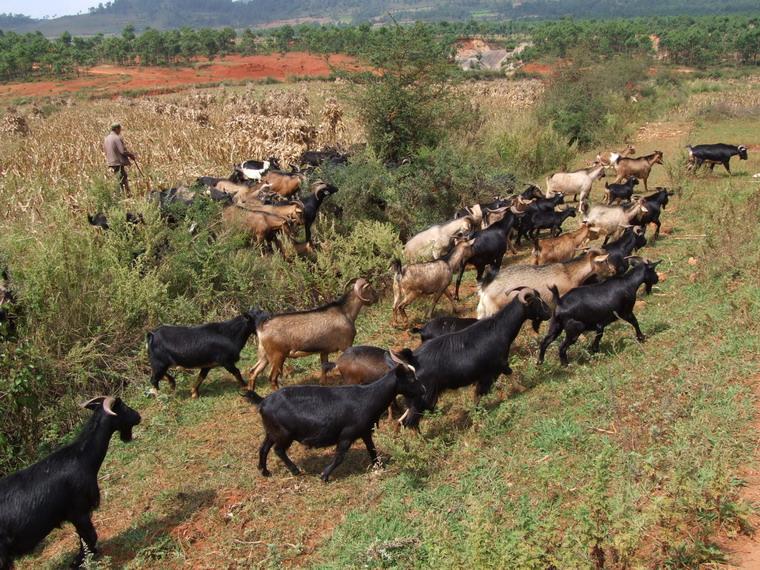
(597, 339)
(459, 282)
(435, 301)
(631, 319)
(371, 449)
(232, 369)
(172, 381)
(324, 358)
(276, 371)
(266, 445)
(198, 381)
(282, 453)
(87, 538)
(340, 454)
(257, 369)
(573, 330)
(555, 329)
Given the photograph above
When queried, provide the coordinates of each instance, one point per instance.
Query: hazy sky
(39, 8)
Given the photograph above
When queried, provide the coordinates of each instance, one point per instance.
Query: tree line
(698, 41)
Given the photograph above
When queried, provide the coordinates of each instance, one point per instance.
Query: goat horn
(358, 288)
(398, 360)
(108, 404)
(522, 296)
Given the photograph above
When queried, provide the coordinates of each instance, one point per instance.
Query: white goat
(435, 241)
(611, 221)
(574, 183)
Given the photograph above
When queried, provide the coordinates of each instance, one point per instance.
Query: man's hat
(115, 126)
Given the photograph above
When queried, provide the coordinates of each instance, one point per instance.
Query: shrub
(409, 103)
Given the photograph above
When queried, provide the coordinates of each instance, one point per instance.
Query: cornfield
(176, 139)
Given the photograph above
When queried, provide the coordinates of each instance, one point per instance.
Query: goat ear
(601, 258)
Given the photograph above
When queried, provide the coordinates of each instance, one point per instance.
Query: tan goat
(283, 184)
(428, 278)
(324, 330)
(639, 167)
(564, 247)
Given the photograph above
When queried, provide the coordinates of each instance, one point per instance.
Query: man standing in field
(117, 155)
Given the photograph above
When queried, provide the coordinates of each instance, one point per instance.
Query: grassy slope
(633, 450)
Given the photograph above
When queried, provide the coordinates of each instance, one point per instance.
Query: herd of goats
(576, 287)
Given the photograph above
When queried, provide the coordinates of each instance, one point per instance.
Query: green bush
(532, 149)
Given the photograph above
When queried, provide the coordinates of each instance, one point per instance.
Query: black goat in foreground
(204, 346)
(321, 416)
(63, 487)
(593, 307)
(476, 355)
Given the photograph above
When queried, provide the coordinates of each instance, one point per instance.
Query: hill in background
(166, 14)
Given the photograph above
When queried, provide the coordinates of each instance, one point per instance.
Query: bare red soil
(112, 79)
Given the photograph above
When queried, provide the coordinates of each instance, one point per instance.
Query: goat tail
(149, 341)
(555, 295)
(253, 397)
(396, 267)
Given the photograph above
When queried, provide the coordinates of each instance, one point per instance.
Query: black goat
(443, 325)
(315, 158)
(713, 154)
(546, 220)
(311, 204)
(654, 204)
(620, 191)
(98, 220)
(488, 248)
(533, 192)
(476, 355)
(593, 307)
(204, 346)
(633, 238)
(524, 223)
(321, 416)
(63, 487)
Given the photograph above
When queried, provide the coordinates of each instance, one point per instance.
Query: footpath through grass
(627, 459)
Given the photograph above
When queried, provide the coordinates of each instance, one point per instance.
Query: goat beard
(536, 323)
(125, 434)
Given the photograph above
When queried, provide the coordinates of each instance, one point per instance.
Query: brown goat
(261, 224)
(428, 278)
(324, 330)
(283, 184)
(564, 247)
(639, 167)
(363, 364)
(609, 158)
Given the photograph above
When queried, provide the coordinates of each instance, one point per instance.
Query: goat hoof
(154, 392)
(265, 472)
(325, 478)
(642, 338)
(194, 395)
